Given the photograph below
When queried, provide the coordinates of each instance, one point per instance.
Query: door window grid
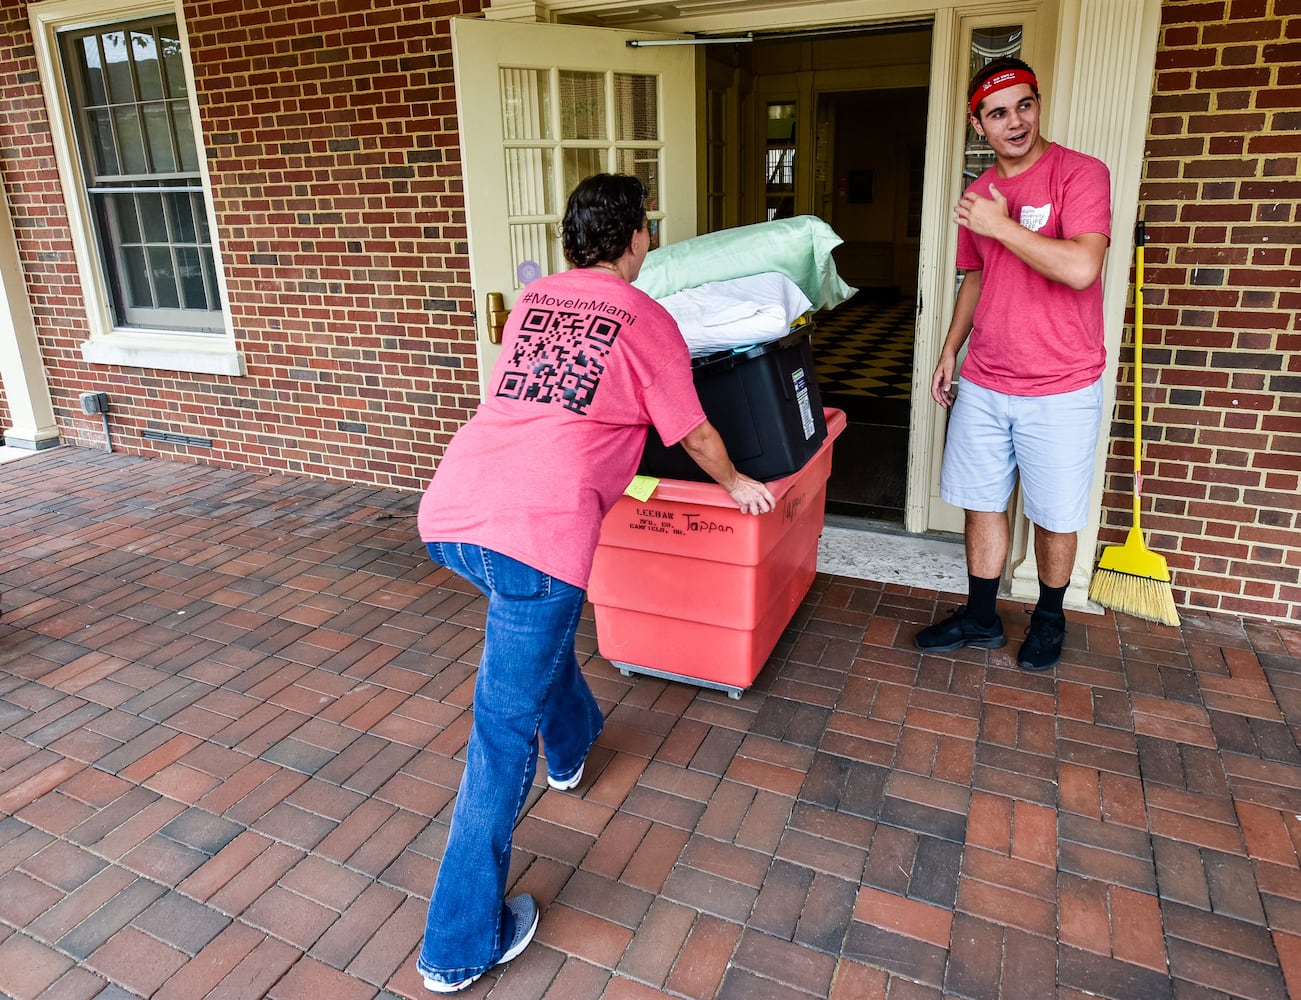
(560, 126)
(131, 117)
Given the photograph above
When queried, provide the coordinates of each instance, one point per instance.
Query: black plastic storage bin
(765, 404)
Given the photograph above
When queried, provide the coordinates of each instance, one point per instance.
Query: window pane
(781, 123)
(636, 102)
(645, 164)
(987, 44)
(185, 144)
(181, 216)
(123, 207)
(780, 168)
(582, 105)
(192, 290)
(528, 182)
(137, 276)
(159, 132)
(525, 104)
(779, 161)
(130, 142)
(92, 73)
(163, 272)
(117, 60)
(209, 277)
(534, 244)
(580, 163)
(199, 214)
(153, 225)
(148, 74)
(105, 152)
(173, 61)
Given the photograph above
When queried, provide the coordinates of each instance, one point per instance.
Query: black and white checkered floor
(865, 348)
(863, 352)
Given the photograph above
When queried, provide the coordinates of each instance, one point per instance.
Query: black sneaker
(1043, 641)
(958, 630)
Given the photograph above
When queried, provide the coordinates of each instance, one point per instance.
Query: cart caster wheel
(626, 673)
(734, 694)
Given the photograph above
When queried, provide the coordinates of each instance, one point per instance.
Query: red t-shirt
(1032, 336)
(588, 363)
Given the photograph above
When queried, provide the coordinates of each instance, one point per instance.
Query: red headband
(1001, 81)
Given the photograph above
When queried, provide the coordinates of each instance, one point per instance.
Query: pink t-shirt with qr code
(588, 363)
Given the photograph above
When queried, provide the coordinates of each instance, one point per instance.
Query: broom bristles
(1140, 596)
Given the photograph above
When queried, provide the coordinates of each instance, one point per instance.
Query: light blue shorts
(1050, 440)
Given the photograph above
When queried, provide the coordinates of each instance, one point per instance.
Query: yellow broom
(1130, 577)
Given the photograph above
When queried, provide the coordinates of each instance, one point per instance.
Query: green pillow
(799, 248)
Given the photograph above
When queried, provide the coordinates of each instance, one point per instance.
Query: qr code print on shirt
(559, 357)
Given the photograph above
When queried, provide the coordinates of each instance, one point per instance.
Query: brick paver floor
(233, 708)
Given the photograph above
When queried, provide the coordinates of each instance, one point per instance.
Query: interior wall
(862, 107)
(870, 190)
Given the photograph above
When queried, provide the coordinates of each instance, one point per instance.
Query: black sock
(982, 597)
(1050, 598)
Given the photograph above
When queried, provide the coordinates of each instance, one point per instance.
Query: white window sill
(169, 352)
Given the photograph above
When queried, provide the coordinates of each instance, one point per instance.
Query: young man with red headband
(1033, 232)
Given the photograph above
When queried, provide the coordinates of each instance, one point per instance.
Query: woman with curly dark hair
(603, 217)
(588, 364)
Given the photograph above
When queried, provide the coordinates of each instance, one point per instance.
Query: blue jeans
(528, 682)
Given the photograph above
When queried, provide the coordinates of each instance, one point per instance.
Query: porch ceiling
(717, 16)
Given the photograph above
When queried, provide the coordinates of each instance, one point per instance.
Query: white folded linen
(737, 312)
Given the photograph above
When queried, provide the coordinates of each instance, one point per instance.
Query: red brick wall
(1222, 342)
(332, 148)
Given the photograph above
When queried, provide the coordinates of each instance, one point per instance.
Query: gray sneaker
(958, 630)
(525, 912)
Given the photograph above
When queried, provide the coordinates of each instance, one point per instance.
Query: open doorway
(839, 131)
(871, 196)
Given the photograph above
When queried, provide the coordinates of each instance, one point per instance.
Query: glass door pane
(987, 44)
(779, 161)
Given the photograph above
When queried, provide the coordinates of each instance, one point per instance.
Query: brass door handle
(495, 305)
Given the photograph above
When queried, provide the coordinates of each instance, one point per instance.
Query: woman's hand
(751, 496)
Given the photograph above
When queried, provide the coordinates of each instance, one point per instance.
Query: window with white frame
(131, 116)
(124, 123)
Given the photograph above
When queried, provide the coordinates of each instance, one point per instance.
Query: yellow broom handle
(1140, 238)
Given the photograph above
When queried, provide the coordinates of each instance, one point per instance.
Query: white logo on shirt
(1033, 217)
